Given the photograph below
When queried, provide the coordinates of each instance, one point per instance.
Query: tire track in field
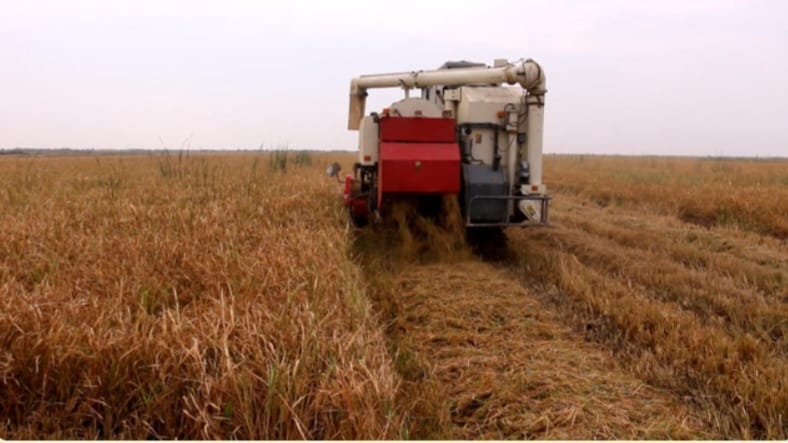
(483, 358)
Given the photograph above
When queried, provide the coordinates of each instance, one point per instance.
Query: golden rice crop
(747, 193)
(699, 310)
(695, 311)
(225, 296)
(183, 297)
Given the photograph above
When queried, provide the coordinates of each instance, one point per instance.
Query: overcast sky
(631, 77)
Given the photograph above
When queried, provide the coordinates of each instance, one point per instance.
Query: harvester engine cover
(418, 155)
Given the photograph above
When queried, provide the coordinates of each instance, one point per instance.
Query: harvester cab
(467, 134)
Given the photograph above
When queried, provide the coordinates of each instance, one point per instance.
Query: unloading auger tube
(409, 154)
(527, 73)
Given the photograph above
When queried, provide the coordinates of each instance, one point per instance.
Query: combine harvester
(467, 135)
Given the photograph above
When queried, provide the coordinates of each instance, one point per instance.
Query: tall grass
(175, 297)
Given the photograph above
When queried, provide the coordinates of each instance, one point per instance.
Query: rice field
(183, 297)
(225, 296)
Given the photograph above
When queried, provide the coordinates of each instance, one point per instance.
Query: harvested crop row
(631, 297)
(183, 297)
(483, 359)
(493, 364)
(734, 255)
(733, 304)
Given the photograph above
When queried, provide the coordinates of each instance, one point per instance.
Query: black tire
(490, 243)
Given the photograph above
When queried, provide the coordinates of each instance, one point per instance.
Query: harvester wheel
(358, 220)
(490, 243)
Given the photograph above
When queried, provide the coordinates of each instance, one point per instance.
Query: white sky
(699, 77)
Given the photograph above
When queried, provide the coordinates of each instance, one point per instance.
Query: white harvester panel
(368, 141)
(415, 107)
(481, 104)
(481, 143)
